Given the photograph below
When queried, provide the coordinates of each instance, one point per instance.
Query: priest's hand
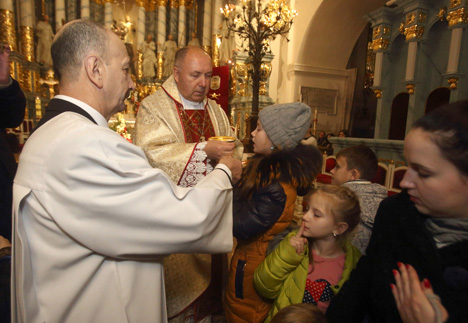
(215, 149)
(235, 165)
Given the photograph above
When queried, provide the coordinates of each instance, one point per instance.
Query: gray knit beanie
(285, 124)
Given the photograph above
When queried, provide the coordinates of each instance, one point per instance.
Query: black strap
(58, 106)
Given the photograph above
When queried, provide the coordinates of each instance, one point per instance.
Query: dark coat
(400, 234)
(284, 175)
(12, 109)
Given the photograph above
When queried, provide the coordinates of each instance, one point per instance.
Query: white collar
(190, 105)
(98, 117)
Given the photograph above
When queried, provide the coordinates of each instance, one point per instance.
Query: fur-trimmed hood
(298, 166)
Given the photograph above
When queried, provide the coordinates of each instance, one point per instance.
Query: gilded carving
(7, 28)
(27, 84)
(265, 71)
(386, 31)
(422, 17)
(454, 3)
(19, 74)
(410, 18)
(207, 48)
(413, 32)
(453, 81)
(37, 82)
(161, 3)
(216, 43)
(442, 13)
(379, 44)
(182, 3)
(139, 3)
(174, 4)
(139, 69)
(410, 88)
(456, 17)
(376, 32)
(160, 58)
(27, 42)
(401, 29)
(378, 93)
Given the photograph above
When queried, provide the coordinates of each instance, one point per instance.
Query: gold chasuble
(172, 139)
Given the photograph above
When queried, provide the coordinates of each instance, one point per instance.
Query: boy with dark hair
(355, 167)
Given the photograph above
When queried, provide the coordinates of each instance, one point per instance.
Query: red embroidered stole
(194, 122)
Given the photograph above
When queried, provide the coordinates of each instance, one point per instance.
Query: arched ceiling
(333, 31)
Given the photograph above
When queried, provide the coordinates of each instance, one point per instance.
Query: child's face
(341, 174)
(319, 222)
(262, 143)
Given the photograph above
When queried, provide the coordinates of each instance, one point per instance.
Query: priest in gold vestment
(172, 127)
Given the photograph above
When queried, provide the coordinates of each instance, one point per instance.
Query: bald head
(189, 51)
(73, 43)
(192, 73)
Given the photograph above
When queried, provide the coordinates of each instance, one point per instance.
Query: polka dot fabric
(317, 291)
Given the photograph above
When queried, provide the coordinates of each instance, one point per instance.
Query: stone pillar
(59, 13)
(207, 12)
(192, 9)
(27, 29)
(161, 35)
(380, 41)
(413, 28)
(85, 9)
(454, 54)
(7, 24)
(182, 24)
(217, 33)
(140, 37)
(108, 13)
(173, 7)
(457, 19)
(217, 17)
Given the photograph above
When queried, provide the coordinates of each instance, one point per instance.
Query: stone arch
(332, 32)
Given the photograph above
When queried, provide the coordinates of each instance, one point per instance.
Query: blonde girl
(311, 264)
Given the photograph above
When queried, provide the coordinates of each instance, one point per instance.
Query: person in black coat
(12, 108)
(424, 227)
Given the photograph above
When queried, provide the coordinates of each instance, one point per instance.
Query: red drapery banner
(219, 87)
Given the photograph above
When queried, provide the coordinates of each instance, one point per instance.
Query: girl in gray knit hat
(264, 200)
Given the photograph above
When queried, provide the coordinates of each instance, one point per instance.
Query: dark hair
(362, 158)
(345, 132)
(299, 313)
(297, 166)
(73, 42)
(448, 129)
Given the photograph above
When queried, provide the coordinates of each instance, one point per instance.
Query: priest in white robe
(92, 219)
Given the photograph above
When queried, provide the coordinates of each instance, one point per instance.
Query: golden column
(27, 30)
(7, 27)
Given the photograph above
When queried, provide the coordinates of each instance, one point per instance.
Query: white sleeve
(101, 191)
